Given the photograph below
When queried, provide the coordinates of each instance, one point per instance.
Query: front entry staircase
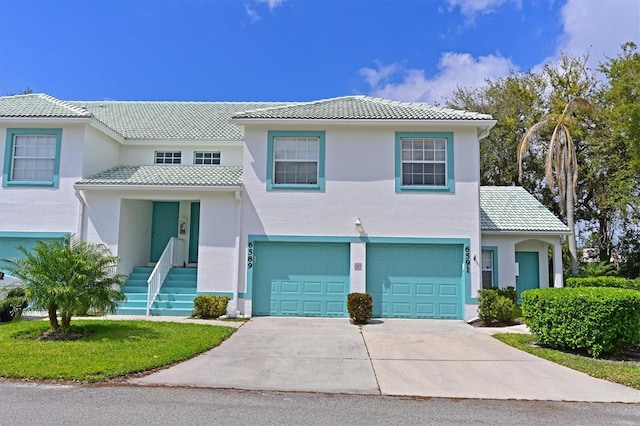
(174, 299)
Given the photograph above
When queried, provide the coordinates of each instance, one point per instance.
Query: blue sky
(293, 50)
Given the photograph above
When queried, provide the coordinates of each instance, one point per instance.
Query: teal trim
(194, 232)
(355, 239)
(216, 293)
(494, 250)
(449, 187)
(8, 156)
(321, 154)
(34, 235)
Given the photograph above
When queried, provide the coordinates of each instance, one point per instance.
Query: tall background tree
(607, 142)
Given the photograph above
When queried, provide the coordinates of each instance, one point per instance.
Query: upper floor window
(168, 157)
(202, 157)
(32, 157)
(424, 161)
(295, 160)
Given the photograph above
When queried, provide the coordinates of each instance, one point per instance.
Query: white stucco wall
(230, 154)
(100, 152)
(24, 208)
(360, 173)
(134, 236)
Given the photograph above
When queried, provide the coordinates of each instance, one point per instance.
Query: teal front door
(194, 233)
(300, 279)
(529, 276)
(416, 280)
(164, 225)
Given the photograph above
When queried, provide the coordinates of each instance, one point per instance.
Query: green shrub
(597, 320)
(493, 306)
(13, 300)
(508, 292)
(207, 306)
(607, 281)
(360, 307)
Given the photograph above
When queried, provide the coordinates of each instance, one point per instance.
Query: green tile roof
(40, 105)
(512, 208)
(171, 120)
(168, 175)
(360, 108)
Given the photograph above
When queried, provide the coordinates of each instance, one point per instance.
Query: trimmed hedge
(360, 307)
(207, 306)
(616, 282)
(597, 320)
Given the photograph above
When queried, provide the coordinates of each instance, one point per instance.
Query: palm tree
(561, 165)
(68, 277)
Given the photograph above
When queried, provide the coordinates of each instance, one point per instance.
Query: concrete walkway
(389, 357)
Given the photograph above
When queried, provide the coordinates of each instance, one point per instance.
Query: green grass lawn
(624, 372)
(110, 348)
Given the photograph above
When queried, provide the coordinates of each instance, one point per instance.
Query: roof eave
(46, 120)
(488, 124)
(528, 232)
(120, 187)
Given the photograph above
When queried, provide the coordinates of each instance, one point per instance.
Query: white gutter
(121, 187)
(82, 216)
(384, 122)
(238, 262)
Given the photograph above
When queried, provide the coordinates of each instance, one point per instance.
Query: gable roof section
(142, 120)
(39, 106)
(360, 108)
(166, 176)
(513, 209)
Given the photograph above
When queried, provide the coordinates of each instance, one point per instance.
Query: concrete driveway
(389, 357)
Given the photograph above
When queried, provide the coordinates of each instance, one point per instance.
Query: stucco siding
(134, 155)
(360, 173)
(55, 209)
(100, 152)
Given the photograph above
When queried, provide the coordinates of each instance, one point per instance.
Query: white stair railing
(172, 255)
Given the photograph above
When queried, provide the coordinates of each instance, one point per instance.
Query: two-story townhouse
(284, 207)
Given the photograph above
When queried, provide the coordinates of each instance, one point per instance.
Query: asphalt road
(42, 404)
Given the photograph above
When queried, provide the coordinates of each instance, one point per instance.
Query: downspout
(82, 227)
(236, 270)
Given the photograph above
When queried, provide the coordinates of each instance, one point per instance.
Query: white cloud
(272, 3)
(252, 13)
(252, 8)
(598, 27)
(455, 69)
(471, 8)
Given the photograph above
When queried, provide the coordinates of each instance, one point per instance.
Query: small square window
(168, 157)
(202, 157)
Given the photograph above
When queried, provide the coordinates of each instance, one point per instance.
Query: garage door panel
(300, 279)
(415, 281)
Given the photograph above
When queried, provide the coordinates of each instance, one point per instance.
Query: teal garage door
(416, 281)
(300, 279)
(9, 246)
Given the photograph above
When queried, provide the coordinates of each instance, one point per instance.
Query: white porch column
(557, 265)
(358, 268)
